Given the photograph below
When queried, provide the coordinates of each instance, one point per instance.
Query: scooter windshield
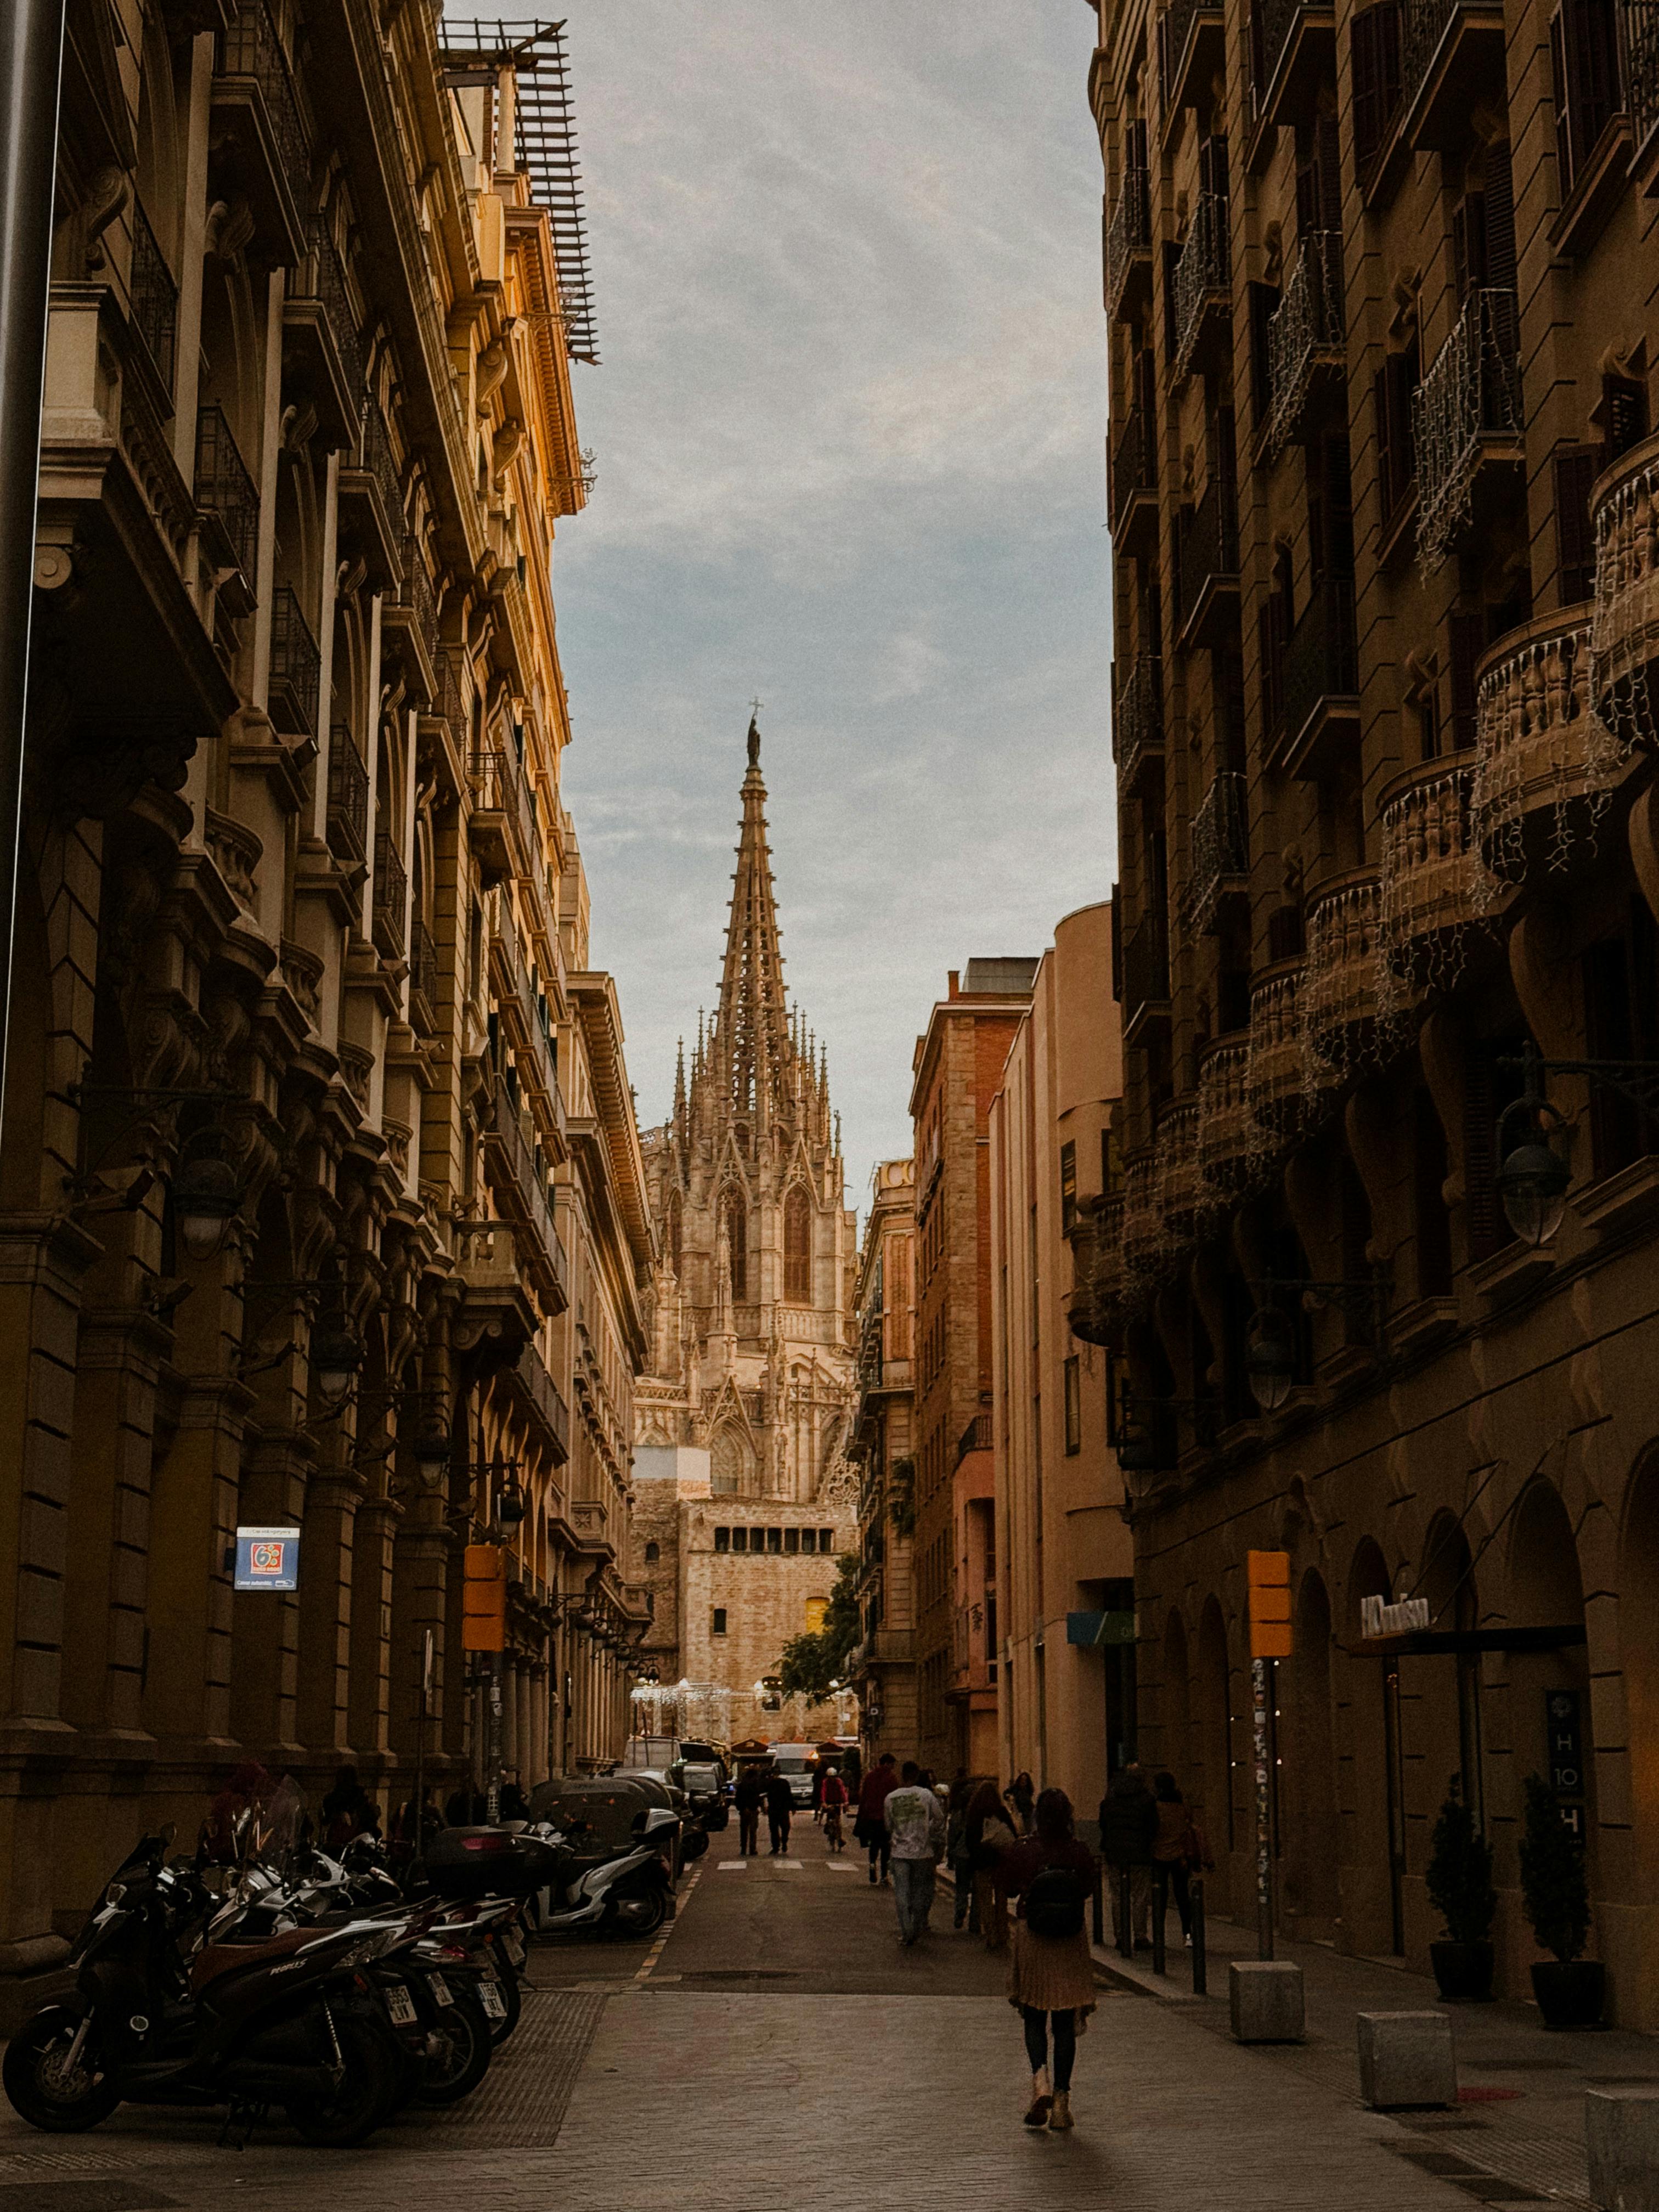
(275, 1835)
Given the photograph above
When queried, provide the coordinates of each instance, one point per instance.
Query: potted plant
(1570, 1988)
(1460, 1890)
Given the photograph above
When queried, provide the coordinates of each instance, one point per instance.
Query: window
(1584, 57)
(1067, 1188)
(717, 1626)
(1375, 51)
(797, 1247)
(826, 1540)
(1391, 399)
(1074, 1406)
(739, 1541)
(815, 1609)
(735, 1215)
(775, 1540)
(1577, 468)
(792, 1540)
(722, 1543)
(675, 1254)
(653, 1552)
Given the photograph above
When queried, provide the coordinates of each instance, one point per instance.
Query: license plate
(513, 1948)
(401, 2006)
(490, 1997)
(440, 1989)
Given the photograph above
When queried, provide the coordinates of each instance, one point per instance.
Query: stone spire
(749, 1041)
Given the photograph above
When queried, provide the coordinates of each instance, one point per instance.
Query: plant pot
(1462, 1971)
(1571, 1992)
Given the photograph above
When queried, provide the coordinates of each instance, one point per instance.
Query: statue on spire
(754, 736)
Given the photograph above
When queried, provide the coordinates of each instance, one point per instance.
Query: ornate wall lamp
(1271, 1354)
(1533, 1179)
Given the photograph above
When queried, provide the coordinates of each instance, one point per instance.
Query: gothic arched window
(737, 1231)
(728, 1461)
(797, 1247)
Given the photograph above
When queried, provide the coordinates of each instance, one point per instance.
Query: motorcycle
(162, 2014)
(627, 1894)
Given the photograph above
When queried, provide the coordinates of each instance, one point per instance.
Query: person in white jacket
(915, 1823)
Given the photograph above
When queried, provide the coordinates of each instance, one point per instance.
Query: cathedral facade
(745, 1498)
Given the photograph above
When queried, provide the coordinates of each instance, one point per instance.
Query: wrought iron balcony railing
(348, 797)
(296, 667)
(1639, 26)
(1128, 234)
(1135, 462)
(417, 593)
(376, 458)
(391, 895)
(1146, 964)
(1202, 275)
(1209, 544)
(1221, 847)
(251, 48)
(321, 276)
(1307, 330)
(1322, 657)
(154, 297)
(1470, 394)
(1138, 717)
(424, 962)
(224, 488)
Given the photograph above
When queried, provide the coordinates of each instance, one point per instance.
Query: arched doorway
(1449, 1714)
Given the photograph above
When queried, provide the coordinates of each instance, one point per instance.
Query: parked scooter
(625, 1895)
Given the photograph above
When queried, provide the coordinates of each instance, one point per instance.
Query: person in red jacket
(834, 1801)
(871, 1826)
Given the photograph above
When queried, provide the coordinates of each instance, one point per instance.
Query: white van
(798, 1763)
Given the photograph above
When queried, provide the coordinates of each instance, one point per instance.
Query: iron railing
(321, 276)
(1135, 460)
(1137, 721)
(450, 702)
(1172, 44)
(296, 666)
(1221, 845)
(347, 796)
(154, 297)
(1277, 20)
(223, 486)
(1209, 542)
(528, 1181)
(1638, 22)
(423, 963)
(1146, 963)
(1423, 28)
(548, 1400)
(1311, 320)
(1472, 392)
(376, 458)
(1322, 657)
(1202, 274)
(418, 594)
(251, 48)
(498, 787)
(391, 895)
(1129, 233)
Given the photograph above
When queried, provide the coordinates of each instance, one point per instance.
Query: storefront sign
(267, 1559)
(1378, 1618)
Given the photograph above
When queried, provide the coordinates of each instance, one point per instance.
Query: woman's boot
(1061, 2116)
(1042, 2102)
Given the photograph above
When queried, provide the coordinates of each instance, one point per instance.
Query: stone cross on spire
(751, 1024)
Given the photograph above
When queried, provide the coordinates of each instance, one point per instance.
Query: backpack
(1054, 1901)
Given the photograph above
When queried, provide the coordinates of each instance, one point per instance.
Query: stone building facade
(1065, 1562)
(1381, 288)
(883, 1666)
(743, 1411)
(313, 1143)
(957, 1071)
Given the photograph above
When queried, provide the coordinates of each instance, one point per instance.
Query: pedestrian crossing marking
(841, 1866)
(728, 1866)
(791, 1862)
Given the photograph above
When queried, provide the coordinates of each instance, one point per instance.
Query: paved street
(776, 2045)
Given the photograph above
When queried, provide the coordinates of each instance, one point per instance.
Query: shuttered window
(1588, 91)
(1391, 397)
(1375, 51)
(1577, 468)
(1624, 416)
(1467, 640)
(1264, 305)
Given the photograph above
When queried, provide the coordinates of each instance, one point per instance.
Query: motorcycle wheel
(507, 1981)
(35, 2086)
(464, 2031)
(364, 2098)
(640, 1914)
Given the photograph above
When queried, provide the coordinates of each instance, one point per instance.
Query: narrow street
(776, 2046)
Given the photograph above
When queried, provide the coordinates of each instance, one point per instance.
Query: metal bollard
(1160, 1907)
(1099, 1902)
(1201, 1965)
(1122, 1917)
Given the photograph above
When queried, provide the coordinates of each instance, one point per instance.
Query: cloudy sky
(848, 433)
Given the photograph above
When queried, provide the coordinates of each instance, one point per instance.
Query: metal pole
(1260, 1695)
(493, 1743)
(1201, 1958)
(1160, 1907)
(31, 70)
(420, 1748)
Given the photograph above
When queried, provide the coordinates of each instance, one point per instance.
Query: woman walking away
(987, 1834)
(1021, 1794)
(1051, 1978)
(1174, 1849)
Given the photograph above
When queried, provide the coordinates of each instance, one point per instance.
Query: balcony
(370, 497)
(1307, 336)
(1144, 1246)
(260, 144)
(1129, 245)
(296, 667)
(322, 354)
(1093, 1308)
(410, 623)
(1226, 1140)
(1138, 718)
(424, 981)
(1639, 25)
(523, 1018)
(975, 1437)
(1203, 297)
(1220, 850)
(1192, 46)
(1147, 971)
(1273, 1065)
(1134, 485)
(1320, 681)
(541, 1397)
(153, 302)
(1296, 53)
(390, 896)
(1206, 573)
(1430, 879)
(1344, 1004)
(1451, 58)
(1181, 1191)
(502, 827)
(518, 1178)
(1545, 765)
(1624, 634)
(348, 799)
(495, 1310)
(1466, 423)
(229, 504)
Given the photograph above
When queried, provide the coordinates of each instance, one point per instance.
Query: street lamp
(206, 1193)
(1270, 1358)
(336, 1360)
(1532, 1180)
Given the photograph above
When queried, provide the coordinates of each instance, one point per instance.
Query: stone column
(368, 1714)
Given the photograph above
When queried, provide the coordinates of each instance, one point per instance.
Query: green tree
(812, 1662)
(1554, 1893)
(1459, 1873)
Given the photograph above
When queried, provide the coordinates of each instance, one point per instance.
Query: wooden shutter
(1404, 377)
(1172, 255)
(1561, 103)
(1466, 640)
(1367, 88)
(1266, 633)
(1134, 143)
(1389, 487)
(1227, 679)
(1585, 53)
(1264, 303)
(1500, 271)
(1213, 166)
(1577, 468)
(1624, 416)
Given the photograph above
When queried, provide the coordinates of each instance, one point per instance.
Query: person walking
(1129, 1829)
(834, 1801)
(747, 1798)
(1021, 1794)
(915, 1826)
(987, 1834)
(958, 1857)
(871, 1826)
(1179, 1852)
(780, 1811)
(1051, 1982)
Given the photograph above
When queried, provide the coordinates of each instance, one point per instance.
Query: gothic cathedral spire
(750, 1045)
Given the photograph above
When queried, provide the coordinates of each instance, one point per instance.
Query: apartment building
(881, 1669)
(1380, 285)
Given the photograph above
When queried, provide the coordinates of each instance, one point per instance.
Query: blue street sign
(267, 1559)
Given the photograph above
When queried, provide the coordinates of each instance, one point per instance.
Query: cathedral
(744, 1499)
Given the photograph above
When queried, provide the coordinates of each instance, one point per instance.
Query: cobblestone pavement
(778, 2047)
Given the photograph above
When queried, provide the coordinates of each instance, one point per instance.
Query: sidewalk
(1521, 2113)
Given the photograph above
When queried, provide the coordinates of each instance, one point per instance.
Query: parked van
(798, 1763)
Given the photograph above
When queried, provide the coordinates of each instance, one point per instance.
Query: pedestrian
(987, 1834)
(780, 1810)
(404, 1844)
(817, 1794)
(915, 1827)
(958, 1857)
(514, 1806)
(1051, 1981)
(1178, 1853)
(871, 1826)
(1129, 1829)
(747, 1793)
(1021, 1794)
(835, 1804)
(247, 1789)
(346, 1811)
